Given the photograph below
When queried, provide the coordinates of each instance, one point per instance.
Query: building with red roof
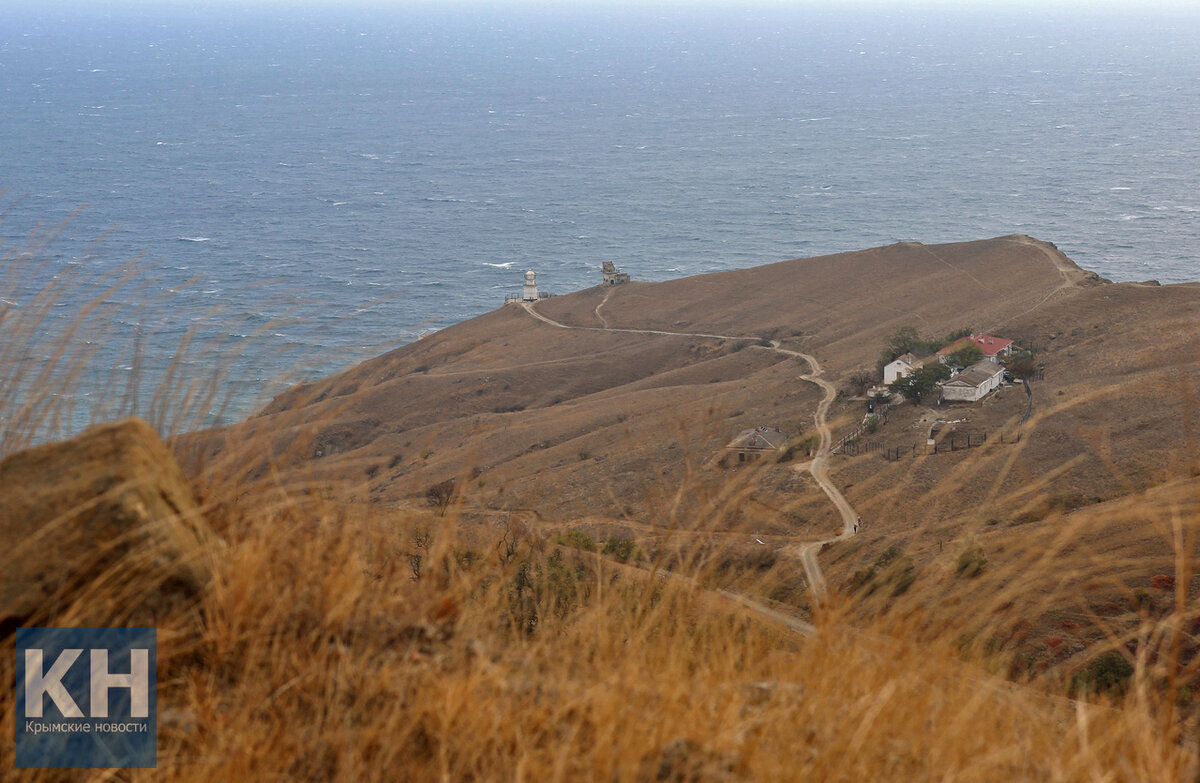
(992, 347)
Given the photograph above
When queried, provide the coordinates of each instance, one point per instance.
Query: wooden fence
(854, 448)
(852, 436)
(949, 443)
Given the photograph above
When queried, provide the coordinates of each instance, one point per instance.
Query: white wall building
(899, 367)
(973, 383)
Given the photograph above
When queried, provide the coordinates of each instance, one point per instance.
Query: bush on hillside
(620, 548)
(440, 495)
(1109, 674)
(576, 539)
(971, 563)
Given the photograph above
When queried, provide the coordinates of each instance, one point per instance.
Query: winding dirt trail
(603, 321)
(818, 467)
(1072, 275)
(529, 309)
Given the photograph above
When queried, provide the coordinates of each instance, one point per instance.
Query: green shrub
(888, 555)
(576, 539)
(798, 446)
(619, 548)
(1108, 673)
(971, 563)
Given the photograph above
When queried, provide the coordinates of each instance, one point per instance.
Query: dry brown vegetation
(324, 649)
(351, 634)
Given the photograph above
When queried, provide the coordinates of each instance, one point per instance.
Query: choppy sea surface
(314, 184)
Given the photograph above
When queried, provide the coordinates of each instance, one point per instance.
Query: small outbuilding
(973, 383)
(899, 367)
(758, 442)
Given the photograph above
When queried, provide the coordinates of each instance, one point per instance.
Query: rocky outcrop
(101, 529)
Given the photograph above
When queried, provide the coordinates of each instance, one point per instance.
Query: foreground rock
(107, 515)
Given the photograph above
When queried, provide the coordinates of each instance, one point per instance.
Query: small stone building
(973, 383)
(610, 274)
(755, 443)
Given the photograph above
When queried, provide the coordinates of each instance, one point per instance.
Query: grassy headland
(403, 582)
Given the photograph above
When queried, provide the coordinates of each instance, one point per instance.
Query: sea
(300, 187)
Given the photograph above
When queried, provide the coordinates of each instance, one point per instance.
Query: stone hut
(758, 442)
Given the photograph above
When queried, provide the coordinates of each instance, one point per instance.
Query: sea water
(313, 183)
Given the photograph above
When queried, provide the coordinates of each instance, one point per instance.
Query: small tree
(1022, 365)
(439, 495)
(861, 381)
(965, 356)
(904, 340)
(920, 382)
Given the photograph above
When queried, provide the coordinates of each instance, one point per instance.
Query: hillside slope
(598, 420)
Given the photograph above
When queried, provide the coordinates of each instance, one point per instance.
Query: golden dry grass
(343, 640)
(317, 653)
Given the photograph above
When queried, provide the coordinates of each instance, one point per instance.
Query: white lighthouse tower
(531, 291)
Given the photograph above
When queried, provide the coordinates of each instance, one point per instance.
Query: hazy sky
(102, 5)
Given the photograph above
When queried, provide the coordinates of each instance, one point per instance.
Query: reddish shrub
(1162, 582)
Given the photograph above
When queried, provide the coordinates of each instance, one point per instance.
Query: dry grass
(64, 365)
(343, 640)
(323, 651)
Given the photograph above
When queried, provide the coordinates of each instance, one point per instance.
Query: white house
(899, 367)
(973, 383)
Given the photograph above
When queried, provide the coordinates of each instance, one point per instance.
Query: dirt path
(818, 466)
(603, 321)
(1072, 275)
(529, 309)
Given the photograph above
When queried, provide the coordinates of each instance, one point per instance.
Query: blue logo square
(86, 698)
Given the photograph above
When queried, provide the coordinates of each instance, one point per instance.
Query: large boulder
(101, 529)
